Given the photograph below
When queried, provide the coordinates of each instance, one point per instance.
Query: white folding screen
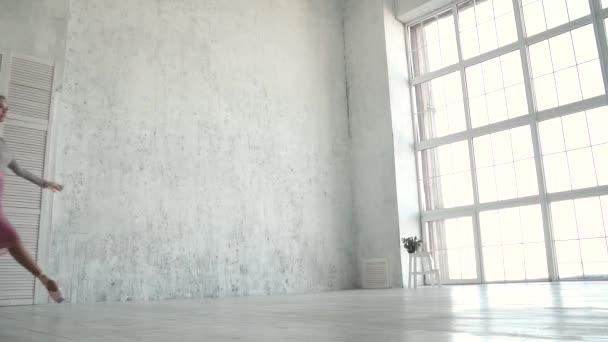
(28, 84)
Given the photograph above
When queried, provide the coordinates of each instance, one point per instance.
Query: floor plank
(517, 312)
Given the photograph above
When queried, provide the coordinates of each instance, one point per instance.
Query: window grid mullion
(540, 177)
(467, 111)
(600, 37)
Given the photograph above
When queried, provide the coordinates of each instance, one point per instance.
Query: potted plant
(411, 244)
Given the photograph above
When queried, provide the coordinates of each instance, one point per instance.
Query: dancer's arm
(25, 174)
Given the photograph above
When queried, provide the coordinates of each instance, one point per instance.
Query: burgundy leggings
(8, 234)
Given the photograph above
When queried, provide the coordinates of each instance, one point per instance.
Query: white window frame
(596, 18)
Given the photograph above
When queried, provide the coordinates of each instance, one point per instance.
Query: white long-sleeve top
(7, 160)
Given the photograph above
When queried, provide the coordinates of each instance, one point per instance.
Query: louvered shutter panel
(25, 132)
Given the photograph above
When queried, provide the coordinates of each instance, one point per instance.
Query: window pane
(485, 25)
(565, 57)
(581, 166)
(582, 170)
(540, 59)
(580, 237)
(478, 108)
(546, 92)
(600, 160)
(525, 176)
(576, 134)
(492, 75)
(439, 107)
(589, 218)
(551, 136)
(564, 220)
(506, 236)
(594, 250)
(568, 252)
(493, 263)
(469, 42)
(468, 263)
(595, 269)
(433, 44)
(568, 86)
(501, 145)
(522, 143)
(556, 172)
(542, 15)
(532, 224)
(510, 226)
(447, 39)
(598, 125)
(584, 44)
(466, 16)
(566, 68)
(488, 40)
(591, 80)
(514, 262)
(556, 13)
(490, 228)
(475, 84)
(536, 261)
(517, 104)
(486, 182)
(511, 69)
(495, 90)
(505, 29)
(447, 175)
(506, 185)
(577, 9)
(484, 11)
(604, 3)
(568, 259)
(534, 18)
(505, 165)
(453, 246)
(483, 152)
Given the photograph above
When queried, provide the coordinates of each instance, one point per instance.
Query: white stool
(428, 267)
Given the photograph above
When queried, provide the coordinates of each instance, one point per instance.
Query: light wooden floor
(532, 312)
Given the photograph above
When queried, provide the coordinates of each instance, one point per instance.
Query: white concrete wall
(34, 27)
(381, 132)
(204, 146)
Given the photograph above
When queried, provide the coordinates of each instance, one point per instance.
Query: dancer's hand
(54, 187)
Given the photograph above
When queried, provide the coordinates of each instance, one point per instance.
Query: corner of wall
(402, 128)
(357, 275)
(384, 201)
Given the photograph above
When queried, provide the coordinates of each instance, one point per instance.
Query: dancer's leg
(21, 255)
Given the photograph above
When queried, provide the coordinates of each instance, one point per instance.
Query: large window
(566, 69)
(580, 236)
(511, 115)
(453, 242)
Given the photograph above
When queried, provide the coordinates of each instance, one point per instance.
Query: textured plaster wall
(382, 137)
(205, 150)
(34, 27)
